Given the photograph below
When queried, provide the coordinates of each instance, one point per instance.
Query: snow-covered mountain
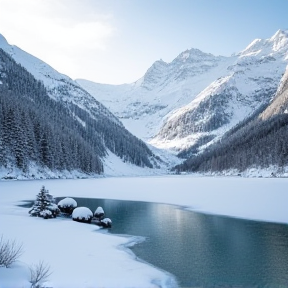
(198, 96)
(257, 143)
(279, 105)
(66, 127)
(59, 86)
(184, 105)
(144, 105)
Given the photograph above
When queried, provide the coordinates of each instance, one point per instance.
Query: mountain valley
(184, 108)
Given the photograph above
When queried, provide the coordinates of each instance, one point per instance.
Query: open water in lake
(202, 250)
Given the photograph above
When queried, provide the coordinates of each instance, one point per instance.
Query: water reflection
(202, 250)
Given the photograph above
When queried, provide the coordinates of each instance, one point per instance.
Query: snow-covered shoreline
(262, 199)
(100, 262)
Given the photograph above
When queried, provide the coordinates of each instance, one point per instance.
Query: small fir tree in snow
(44, 205)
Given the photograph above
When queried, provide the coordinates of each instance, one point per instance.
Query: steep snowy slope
(59, 86)
(144, 105)
(96, 125)
(257, 142)
(248, 83)
(279, 105)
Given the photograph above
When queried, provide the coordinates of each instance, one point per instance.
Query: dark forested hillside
(34, 128)
(259, 141)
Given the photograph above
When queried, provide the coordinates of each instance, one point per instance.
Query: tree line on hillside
(50, 133)
(259, 143)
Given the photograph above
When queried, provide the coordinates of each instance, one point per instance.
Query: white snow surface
(100, 258)
(39, 69)
(113, 166)
(82, 212)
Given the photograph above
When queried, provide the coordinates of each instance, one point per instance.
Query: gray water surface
(202, 250)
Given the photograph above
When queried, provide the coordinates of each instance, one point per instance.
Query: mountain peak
(278, 43)
(3, 41)
(193, 54)
(280, 40)
(279, 34)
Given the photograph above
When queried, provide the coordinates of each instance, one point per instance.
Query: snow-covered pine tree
(44, 205)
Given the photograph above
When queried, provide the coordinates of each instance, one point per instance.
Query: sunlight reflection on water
(202, 250)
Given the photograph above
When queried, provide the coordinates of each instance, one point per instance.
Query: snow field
(80, 256)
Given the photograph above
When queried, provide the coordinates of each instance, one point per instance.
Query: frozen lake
(202, 250)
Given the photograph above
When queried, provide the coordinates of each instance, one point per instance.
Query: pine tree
(44, 205)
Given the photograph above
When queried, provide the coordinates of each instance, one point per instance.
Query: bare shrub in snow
(39, 274)
(10, 251)
(67, 205)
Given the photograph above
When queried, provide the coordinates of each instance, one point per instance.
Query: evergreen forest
(40, 130)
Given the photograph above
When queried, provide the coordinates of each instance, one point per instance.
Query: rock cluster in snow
(67, 205)
(82, 214)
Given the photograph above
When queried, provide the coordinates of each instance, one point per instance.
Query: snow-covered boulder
(82, 214)
(99, 213)
(106, 223)
(67, 205)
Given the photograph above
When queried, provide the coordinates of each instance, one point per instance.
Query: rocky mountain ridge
(59, 86)
(197, 96)
(144, 105)
(258, 142)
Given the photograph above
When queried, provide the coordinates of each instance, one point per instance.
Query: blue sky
(116, 41)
